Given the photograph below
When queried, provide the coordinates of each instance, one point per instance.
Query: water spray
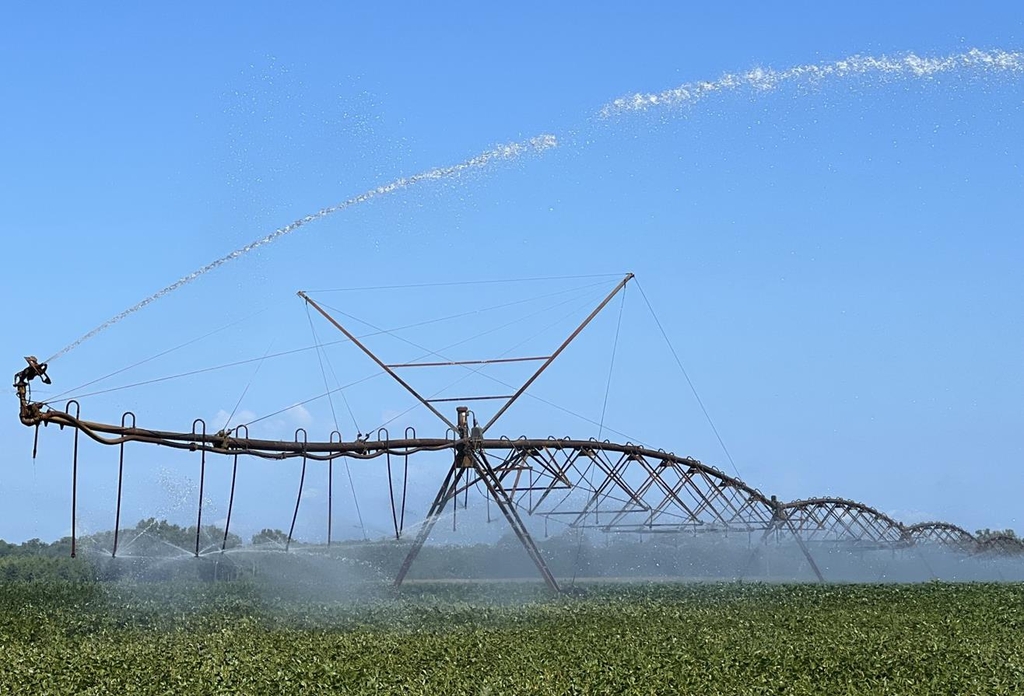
(758, 79)
(767, 80)
(506, 152)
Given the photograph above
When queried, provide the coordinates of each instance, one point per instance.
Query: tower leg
(497, 491)
(806, 552)
(444, 494)
(494, 486)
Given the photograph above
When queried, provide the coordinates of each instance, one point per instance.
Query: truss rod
(452, 363)
(373, 356)
(467, 398)
(565, 344)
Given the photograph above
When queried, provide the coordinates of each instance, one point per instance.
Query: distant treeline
(152, 537)
(159, 550)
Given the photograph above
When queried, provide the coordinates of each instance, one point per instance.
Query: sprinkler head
(34, 369)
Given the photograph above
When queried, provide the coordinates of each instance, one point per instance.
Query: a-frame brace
(470, 460)
(468, 457)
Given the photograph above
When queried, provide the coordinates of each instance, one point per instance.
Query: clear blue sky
(837, 264)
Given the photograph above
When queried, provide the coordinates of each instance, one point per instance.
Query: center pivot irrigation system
(585, 484)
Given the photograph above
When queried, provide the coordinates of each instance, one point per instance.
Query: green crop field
(236, 637)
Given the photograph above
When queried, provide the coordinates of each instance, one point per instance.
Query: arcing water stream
(759, 80)
(767, 79)
(502, 152)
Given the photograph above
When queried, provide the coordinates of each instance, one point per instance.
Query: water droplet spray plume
(506, 152)
(758, 79)
(767, 79)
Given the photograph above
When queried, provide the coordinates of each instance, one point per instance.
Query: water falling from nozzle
(508, 151)
(767, 79)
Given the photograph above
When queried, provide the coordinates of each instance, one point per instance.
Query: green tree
(274, 537)
(987, 534)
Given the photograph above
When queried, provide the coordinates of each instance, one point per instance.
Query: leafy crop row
(75, 637)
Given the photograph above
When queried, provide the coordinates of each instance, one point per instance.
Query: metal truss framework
(582, 484)
(837, 520)
(942, 533)
(585, 484)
